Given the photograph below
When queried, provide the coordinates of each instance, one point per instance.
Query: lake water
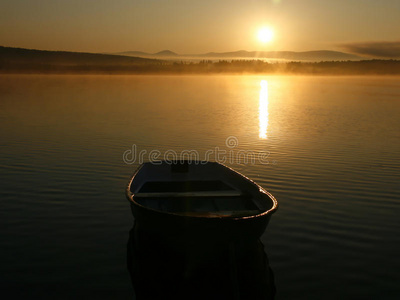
(328, 148)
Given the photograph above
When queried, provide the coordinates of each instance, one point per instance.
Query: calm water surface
(330, 155)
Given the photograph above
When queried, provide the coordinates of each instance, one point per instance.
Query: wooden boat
(183, 202)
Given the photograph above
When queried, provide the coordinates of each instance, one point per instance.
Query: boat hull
(185, 231)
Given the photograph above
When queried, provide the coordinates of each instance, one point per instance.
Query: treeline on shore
(324, 67)
(17, 60)
(367, 67)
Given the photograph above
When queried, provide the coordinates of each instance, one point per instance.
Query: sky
(191, 27)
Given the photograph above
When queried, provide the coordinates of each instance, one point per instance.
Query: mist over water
(331, 160)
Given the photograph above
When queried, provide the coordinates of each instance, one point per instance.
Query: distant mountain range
(320, 55)
(28, 61)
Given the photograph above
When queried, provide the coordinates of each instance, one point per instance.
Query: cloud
(374, 49)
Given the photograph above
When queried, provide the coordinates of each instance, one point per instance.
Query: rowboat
(207, 200)
(202, 198)
(180, 202)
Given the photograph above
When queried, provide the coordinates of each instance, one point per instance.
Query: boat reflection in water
(197, 232)
(158, 272)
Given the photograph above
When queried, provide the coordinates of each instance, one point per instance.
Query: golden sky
(192, 27)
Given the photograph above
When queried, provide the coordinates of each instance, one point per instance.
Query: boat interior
(197, 198)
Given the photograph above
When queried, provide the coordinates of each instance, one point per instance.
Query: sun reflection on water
(263, 113)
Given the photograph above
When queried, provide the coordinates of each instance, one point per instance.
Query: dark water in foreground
(329, 153)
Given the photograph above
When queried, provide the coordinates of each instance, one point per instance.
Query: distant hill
(25, 59)
(166, 53)
(162, 54)
(320, 55)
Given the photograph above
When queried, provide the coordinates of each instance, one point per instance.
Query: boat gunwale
(131, 196)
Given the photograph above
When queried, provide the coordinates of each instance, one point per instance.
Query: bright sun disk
(265, 35)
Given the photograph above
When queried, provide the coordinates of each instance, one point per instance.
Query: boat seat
(231, 193)
(226, 213)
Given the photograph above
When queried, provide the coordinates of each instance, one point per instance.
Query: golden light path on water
(263, 113)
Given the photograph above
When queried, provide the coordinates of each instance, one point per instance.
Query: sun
(265, 35)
